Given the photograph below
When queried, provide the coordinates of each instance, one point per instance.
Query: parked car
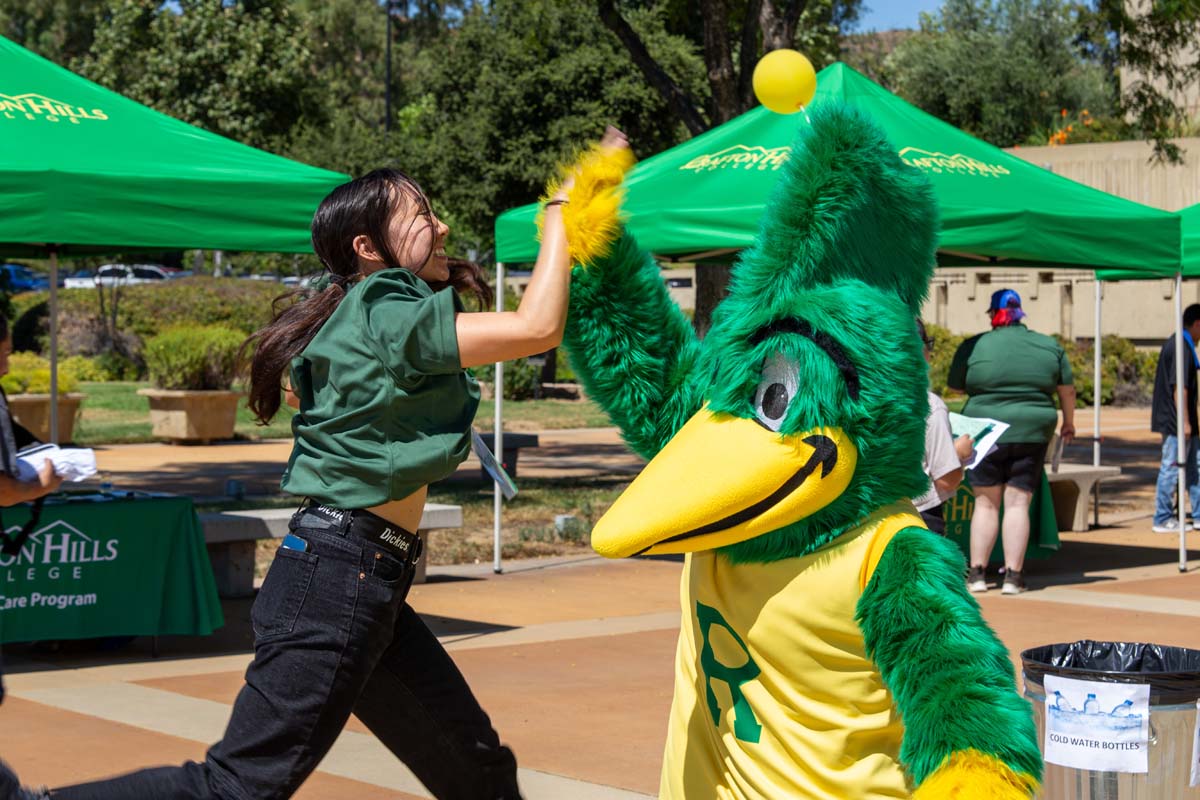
(80, 279)
(121, 275)
(15, 278)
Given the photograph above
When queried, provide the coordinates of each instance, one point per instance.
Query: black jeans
(333, 634)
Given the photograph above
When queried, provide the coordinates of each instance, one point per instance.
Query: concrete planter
(33, 411)
(193, 417)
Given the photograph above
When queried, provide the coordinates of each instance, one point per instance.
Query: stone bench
(232, 536)
(1071, 487)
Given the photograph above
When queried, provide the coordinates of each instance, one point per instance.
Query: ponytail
(296, 318)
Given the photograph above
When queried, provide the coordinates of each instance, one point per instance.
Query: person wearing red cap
(1011, 374)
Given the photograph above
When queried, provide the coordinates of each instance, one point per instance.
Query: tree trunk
(718, 57)
(748, 54)
(712, 284)
(677, 100)
(778, 22)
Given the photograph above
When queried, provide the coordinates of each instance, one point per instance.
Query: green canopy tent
(85, 170)
(703, 199)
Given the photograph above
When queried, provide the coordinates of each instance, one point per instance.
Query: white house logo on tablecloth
(35, 107)
(52, 548)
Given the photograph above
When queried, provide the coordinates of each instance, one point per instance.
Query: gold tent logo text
(740, 156)
(940, 162)
(39, 107)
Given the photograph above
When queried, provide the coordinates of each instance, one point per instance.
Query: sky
(883, 15)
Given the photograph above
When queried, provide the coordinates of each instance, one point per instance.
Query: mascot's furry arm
(632, 347)
(967, 733)
(629, 343)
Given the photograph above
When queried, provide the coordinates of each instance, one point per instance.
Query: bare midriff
(406, 512)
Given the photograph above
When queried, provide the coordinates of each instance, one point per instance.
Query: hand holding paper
(73, 464)
(984, 434)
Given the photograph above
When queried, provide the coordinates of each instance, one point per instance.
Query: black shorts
(1018, 465)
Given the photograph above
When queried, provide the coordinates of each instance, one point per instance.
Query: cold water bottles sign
(1097, 726)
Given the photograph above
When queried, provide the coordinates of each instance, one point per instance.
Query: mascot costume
(828, 648)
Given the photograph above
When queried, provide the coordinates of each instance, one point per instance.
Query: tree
(512, 91)
(733, 35)
(1155, 44)
(1000, 71)
(240, 69)
(60, 30)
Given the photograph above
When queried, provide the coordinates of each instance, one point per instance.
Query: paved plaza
(571, 656)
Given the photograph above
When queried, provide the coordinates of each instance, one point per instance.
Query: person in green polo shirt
(376, 359)
(1011, 374)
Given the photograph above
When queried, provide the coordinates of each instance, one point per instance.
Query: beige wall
(1124, 169)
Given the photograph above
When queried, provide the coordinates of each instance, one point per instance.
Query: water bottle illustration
(1062, 703)
(1091, 706)
(1122, 710)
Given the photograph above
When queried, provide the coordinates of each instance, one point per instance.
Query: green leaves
(241, 70)
(196, 358)
(1000, 70)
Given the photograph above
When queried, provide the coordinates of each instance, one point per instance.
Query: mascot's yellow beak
(722, 480)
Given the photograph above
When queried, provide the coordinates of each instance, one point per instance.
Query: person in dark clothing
(14, 437)
(1162, 421)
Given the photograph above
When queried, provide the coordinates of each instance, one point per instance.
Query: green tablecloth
(1043, 529)
(116, 567)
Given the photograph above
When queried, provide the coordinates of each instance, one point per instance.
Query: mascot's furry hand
(591, 216)
(972, 775)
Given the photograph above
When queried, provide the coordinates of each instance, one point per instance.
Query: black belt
(403, 544)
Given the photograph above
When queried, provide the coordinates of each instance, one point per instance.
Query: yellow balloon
(784, 81)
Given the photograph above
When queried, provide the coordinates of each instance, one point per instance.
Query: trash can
(1116, 720)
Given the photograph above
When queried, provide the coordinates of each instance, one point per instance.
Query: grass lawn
(114, 413)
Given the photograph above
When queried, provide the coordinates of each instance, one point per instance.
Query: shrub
(521, 379)
(146, 310)
(29, 373)
(84, 368)
(944, 345)
(194, 357)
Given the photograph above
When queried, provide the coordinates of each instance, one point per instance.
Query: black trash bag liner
(1172, 672)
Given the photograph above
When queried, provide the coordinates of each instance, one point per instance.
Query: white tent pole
(1180, 438)
(498, 441)
(1098, 352)
(54, 345)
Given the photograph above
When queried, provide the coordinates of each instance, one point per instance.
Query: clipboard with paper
(984, 433)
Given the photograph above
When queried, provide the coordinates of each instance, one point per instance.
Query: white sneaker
(1171, 527)
(976, 581)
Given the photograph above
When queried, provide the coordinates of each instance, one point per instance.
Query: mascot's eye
(780, 381)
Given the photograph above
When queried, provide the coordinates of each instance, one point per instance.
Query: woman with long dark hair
(376, 359)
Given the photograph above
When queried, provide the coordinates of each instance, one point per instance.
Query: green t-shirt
(1011, 374)
(385, 405)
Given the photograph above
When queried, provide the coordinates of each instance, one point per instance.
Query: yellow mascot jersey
(774, 694)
